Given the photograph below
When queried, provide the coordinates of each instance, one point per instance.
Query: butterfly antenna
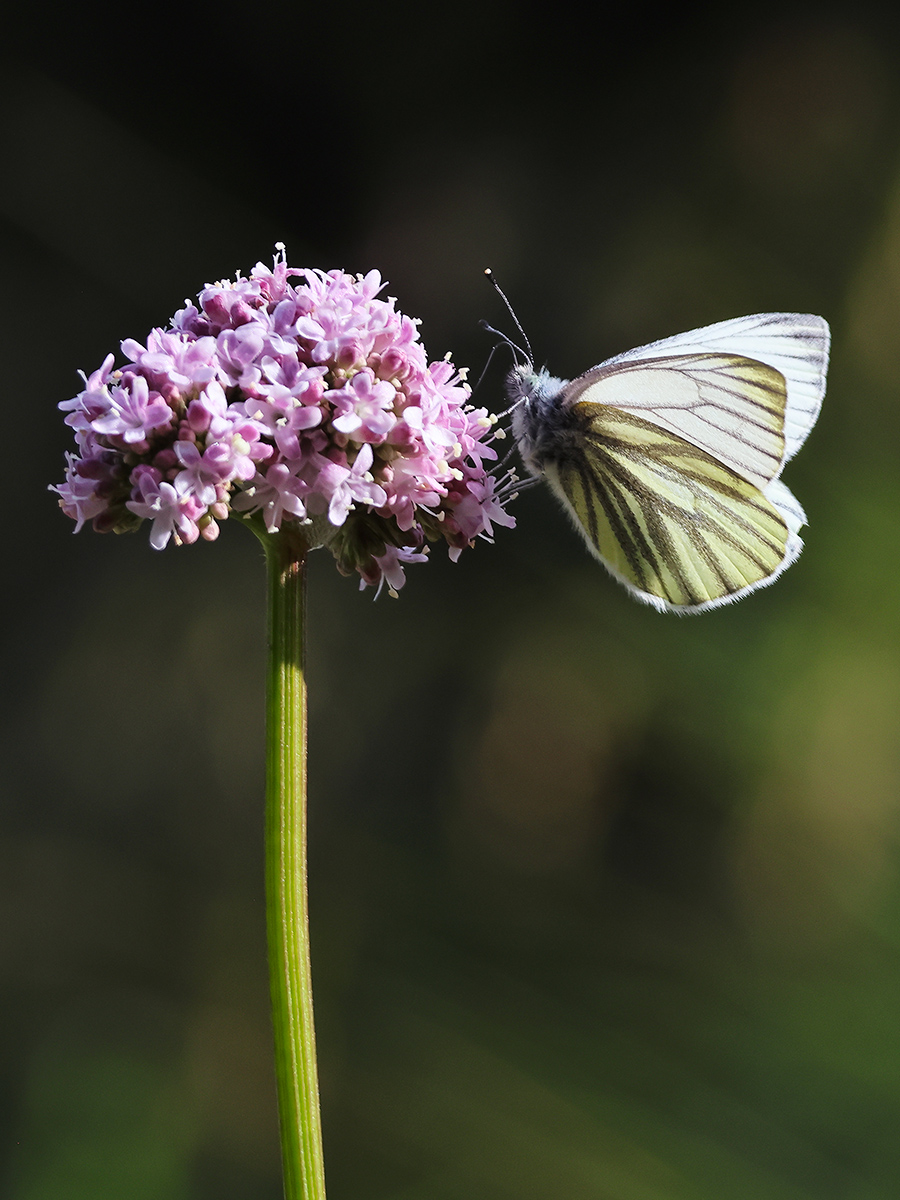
(512, 312)
(517, 350)
(504, 341)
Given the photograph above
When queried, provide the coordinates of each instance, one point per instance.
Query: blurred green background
(605, 903)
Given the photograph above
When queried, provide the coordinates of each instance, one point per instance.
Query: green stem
(286, 894)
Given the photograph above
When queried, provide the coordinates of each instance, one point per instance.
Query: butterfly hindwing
(675, 524)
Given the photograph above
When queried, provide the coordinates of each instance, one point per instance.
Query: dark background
(605, 903)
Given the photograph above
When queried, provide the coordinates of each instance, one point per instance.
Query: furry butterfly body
(668, 458)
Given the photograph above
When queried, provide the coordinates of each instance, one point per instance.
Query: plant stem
(287, 918)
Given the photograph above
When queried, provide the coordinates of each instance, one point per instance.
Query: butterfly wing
(722, 404)
(681, 529)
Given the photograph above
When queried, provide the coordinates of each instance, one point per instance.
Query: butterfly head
(538, 416)
(540, 423)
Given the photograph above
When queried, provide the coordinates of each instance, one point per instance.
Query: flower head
(292, 396)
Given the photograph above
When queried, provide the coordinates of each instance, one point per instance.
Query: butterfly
(668, 458)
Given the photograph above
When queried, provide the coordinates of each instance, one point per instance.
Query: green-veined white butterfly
(668, 458)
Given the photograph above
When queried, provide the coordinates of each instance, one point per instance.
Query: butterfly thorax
(542, 425)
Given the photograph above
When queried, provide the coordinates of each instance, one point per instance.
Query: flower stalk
(287, 916)
(303, 402)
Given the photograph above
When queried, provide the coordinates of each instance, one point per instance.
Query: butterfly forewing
(795, 344)
(730, 406)
(671, 521)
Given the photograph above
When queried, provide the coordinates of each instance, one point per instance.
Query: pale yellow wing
(678, 526)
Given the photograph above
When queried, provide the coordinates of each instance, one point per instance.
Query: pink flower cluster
(292, 396)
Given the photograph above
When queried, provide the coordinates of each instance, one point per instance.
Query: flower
(292, 396)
